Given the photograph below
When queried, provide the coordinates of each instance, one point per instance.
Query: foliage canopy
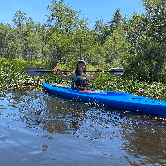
(136, 43)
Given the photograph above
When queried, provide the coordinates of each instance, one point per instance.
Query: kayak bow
(112, 99)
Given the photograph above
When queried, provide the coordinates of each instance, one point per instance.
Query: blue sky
(91, 9)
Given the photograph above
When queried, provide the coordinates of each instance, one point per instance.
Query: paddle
(37, 71)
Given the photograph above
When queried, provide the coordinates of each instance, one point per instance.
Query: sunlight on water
(37, 128)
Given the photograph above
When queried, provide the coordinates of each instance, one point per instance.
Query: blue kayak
(112, 99)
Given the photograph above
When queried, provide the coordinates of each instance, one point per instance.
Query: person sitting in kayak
(80, 79)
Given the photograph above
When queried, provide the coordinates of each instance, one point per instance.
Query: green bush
(13, 77)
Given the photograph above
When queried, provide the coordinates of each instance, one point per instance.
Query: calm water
(37, 128)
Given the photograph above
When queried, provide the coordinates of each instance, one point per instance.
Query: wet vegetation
(136, 43)
(13, 77)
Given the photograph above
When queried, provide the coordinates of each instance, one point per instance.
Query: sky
(91, 9)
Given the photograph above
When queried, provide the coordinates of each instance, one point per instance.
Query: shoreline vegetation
(14, 78)
(137, 44)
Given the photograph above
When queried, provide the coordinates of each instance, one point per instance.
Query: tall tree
(7, 44)
(116, 21)
(64, 24)
(102, 31)
(147, 36)
(19, 21)
(105, 30)
(62, 16)
(116, 48)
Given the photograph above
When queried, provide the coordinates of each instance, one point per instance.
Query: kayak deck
(112, 99)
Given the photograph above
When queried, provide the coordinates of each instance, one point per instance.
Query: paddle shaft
(37, 71)
(69, 71)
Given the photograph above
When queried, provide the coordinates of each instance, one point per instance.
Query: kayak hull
(113, 99)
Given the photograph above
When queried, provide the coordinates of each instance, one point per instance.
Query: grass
(13, 77)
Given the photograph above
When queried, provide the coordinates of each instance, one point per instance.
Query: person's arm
(67, 77)
(92, 76)
(95, 73)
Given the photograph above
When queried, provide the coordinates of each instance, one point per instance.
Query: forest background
(137, 44)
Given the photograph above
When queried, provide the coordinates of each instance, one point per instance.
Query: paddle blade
(36, 71)
(117, 71)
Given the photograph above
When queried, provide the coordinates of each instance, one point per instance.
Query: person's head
(81, 66)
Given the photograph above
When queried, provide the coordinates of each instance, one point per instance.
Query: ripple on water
(37, 128)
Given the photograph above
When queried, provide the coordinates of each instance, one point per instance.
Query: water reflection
(146, 139)
(141, 136)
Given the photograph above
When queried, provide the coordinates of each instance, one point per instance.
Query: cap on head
(82, 61)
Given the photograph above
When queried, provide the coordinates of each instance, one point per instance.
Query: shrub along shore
(14, 78)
